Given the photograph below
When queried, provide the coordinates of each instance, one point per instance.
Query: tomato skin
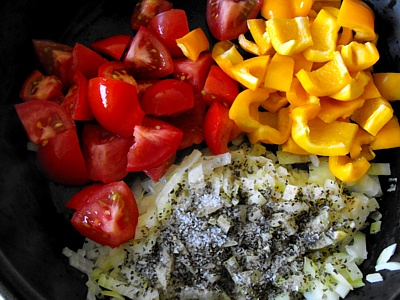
(105, 153)
(219, 129)
(40, 87)
(62, 161)
(157, 172)
(115, 105)
(193, 72)
(167, 97)
(109, 215)
(113, 46)
(169, 26)
(220, 87)
(116, 70)
(227, 19)
(155, 142)
(191, 123)
(76, 101)
(145, 10)
(79, 198)
(86, 61)
(43, 120)
(147, 57)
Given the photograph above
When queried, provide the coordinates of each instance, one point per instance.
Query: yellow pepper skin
(279, 74)
(362, 138)
(258, 31)
(347, 169)
(193, 43)
(226, 55)
(251, 72)
(354, 89)
(286, 9)
(274, 127)
(373, 115)
(358, 16)
(318, 137)
(371, 90)
(244, 110)
(388, 85)
(332, 109)
(275, 101)
(388, 137)
(291, 147)
(359, 56)
(249, 46)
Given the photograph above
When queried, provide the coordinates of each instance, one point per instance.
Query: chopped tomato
(116, 70)
(54, 57)
(115, 105)
(79, 198)
(147, 56)
(227, 19)
(191, 123)
(145, 10)
(167, 97)
(193, 72)
(85, 60)
(108, 215)
(40, 87)
(157, 172)
(169, 26)
(219, 129)
(76, 101)
(220, 87)
(61, 159)
(144, 85)
(113, 46)
(43, 120)
(155, 142)
(105, 153)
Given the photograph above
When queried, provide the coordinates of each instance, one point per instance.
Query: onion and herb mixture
(247, 224)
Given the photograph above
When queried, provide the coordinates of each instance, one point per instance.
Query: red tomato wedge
(54, 57)
(156, 173)
(105, 153)
(155, 142)
(115, 105)
(40, 87)
(167, 97)
(108, 215)
(79, 198)
(113, 46)
(169, 26)
(191, 123)
(145, 10)
(43, 120)
(76, 101)
(220, 87)
(227, 19)
(147, 56)
(193, 72)
(62, 161)
(85, 60)
(116, 70)
(219, 129)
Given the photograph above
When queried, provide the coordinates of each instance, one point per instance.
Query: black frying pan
(34, 225)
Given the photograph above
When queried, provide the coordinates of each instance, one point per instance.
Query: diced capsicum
(388, 85)
(347, 169)
(226, 55)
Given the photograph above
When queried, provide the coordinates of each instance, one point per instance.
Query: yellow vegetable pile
(309, 84)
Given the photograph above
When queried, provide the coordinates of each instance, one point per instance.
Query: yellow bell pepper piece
(300, 62)
(274, 102)
(279, 74)
(193, 43)
(285, 8)
(347, 169)
(354, 89)
(358, 16)
(388, 85)
(258, 31)
(251, 72)
(226, 55)
(324, 33)
(371, 90)
(244, 110)
(326, 80)
(345, 37)
(388, 136)
(332, 109)
(297, 96)
(249, 46)
(289, 36)
(373, 115)
(319, 4)
(274, 127)
(291, 147)
(359, 56)
(362, 138)
(318, 137)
